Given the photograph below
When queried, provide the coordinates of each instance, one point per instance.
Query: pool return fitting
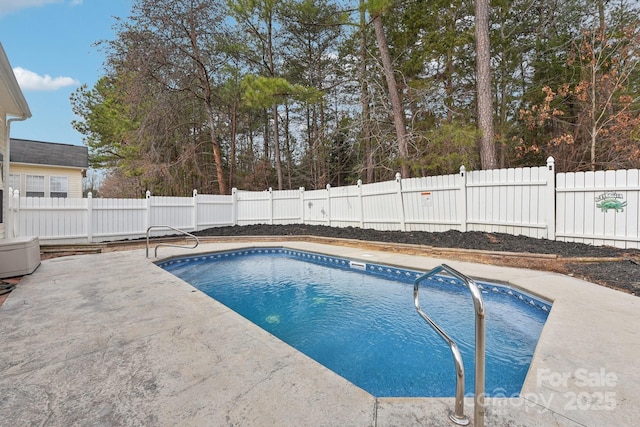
(457, 416)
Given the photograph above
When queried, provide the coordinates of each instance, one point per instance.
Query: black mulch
(623, 275)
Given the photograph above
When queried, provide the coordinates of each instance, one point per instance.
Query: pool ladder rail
(457, 416)
(155, 253)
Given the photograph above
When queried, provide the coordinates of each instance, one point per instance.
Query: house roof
(48, 153)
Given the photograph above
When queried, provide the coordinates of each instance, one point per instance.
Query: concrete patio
(113, 340)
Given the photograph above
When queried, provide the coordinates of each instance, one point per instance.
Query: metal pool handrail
(155, 253)
(457, 416)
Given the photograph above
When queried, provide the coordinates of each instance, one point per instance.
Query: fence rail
(599, 208)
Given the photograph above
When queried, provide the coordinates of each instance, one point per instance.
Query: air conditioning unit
(19, 256)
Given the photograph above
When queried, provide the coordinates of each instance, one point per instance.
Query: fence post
(301, 205)
(90, 217)
(195, 209)
(15, 219)
(462, 199)
(551, 199)
(271, 205)
(360, 203)
(400, 202)
(329, 204)
(234, 206)
(148, 213)
(7, 203)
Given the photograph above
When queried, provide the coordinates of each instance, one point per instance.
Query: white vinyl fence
(600, 208)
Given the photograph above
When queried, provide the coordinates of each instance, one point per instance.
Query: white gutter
(8, 221)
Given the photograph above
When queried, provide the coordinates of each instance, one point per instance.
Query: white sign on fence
(427, 201)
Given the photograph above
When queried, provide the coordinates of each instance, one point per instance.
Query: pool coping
(582, 372)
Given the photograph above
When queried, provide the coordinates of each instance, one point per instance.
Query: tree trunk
(265, 145)
(311, 145)
(287, 145)
(594, 132)
(217, 156)
(234, 133)
(364, 98)
(601, 18)
(276, 130)
(324, 164)
(276, 145)
(488, 158)
(208, 95)
(394, 96)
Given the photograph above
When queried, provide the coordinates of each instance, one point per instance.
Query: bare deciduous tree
(392, 87)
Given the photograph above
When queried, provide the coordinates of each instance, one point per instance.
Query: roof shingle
(48, 153)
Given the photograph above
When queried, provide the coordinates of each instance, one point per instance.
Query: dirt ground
(604, 265)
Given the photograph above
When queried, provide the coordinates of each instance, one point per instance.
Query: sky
(50, 46)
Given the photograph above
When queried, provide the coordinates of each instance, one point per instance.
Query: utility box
(19, 256)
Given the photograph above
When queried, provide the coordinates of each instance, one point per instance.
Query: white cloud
(8, 6)
(28, 80)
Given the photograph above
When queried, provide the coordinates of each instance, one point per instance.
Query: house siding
(13, 106)
(74, 176)
(3, 150)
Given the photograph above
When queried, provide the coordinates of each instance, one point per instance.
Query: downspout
(5, 179)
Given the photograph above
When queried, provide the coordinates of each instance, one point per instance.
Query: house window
(14, 182)
(59, 186)
(35, 186)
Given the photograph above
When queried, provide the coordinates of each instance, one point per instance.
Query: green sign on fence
(610, 200)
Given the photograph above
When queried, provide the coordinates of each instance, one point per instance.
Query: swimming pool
(358, 318)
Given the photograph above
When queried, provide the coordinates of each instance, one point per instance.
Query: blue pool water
(359, 320)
